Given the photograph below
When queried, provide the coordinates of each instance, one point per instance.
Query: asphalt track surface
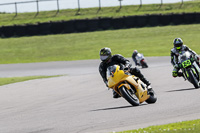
(79, 102)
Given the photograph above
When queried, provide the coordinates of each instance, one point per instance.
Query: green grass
(180, 127)
(10, 80)
(69, 14)
(152, 41)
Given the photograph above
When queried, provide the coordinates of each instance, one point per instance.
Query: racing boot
(144, 80)
(135, 71)
(180, 74)
(115, 94)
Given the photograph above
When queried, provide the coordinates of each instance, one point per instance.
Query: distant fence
(88, 25)
(25, 2)
(57, 4)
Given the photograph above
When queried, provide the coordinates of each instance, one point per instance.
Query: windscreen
(111, 70)
(184, 56)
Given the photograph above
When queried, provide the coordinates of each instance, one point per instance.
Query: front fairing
(115, 75)
(188, 64)
(139, 57)
(117, 78)
(185, 60)
(184, 56)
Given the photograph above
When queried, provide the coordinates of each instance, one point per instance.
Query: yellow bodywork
(119, 78)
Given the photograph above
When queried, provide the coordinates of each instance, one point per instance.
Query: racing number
(186, 63)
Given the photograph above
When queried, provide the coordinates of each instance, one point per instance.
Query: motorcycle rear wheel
(131, 98)
(144, 64)
(152, 98)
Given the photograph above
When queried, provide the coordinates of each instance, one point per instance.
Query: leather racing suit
(174, 59)
(120, 60)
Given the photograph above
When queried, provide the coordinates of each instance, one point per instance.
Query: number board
(186, 63)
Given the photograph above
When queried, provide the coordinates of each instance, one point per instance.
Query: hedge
(88, 25)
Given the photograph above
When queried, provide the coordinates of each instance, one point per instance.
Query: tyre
(193, 79)
(144, 64)
(152, 98)
(131, 98)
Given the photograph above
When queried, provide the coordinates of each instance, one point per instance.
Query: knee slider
(174, 74)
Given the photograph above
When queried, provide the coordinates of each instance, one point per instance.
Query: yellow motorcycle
(129, 86)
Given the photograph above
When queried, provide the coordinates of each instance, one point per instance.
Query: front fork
(185, 74)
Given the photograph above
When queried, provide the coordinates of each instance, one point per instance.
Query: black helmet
(105, 54)
(178, 43)
(135, 52)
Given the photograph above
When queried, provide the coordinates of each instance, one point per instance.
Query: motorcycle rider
(108, 59)
(135, 52)
(178, 48)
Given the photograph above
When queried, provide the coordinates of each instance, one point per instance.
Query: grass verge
(69, 14)
(5, 81)
(152, 41)
(179, 127)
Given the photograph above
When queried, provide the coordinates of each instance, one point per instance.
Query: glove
(174, 74)
(128, 65)
(126, 68)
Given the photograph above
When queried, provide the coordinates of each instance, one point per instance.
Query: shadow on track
(182, 90)
(113, 108)
(118, 107)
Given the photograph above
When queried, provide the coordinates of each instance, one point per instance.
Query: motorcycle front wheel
(193, 79)
(131, 98)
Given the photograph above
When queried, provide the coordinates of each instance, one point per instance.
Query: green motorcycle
(189, 67)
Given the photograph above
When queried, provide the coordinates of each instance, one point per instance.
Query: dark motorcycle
(141, 60)
(189, 67)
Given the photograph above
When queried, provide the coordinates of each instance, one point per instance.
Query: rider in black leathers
(135, 52)
(178, 48)
(108, 59)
